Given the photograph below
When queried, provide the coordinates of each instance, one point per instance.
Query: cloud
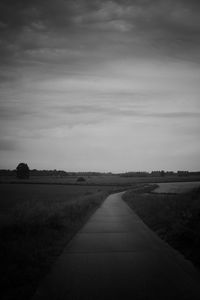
(16, 111)
(48, 26)
(113, 25)
(120, 110)
(174, 115)
(8, 144)
(86, 71)
(107, 15)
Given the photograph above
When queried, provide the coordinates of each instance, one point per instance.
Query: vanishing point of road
(116, 256)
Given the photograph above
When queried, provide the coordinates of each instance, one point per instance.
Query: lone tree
(23, 171)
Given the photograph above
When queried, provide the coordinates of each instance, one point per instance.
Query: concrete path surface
(116, 256)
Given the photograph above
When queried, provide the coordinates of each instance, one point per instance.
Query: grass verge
(39, 223)
(174, 217)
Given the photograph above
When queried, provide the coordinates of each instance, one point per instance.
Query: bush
(81, 179)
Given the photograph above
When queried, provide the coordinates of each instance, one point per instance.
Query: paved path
(116, 256)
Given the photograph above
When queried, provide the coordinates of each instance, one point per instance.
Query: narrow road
(116, 256)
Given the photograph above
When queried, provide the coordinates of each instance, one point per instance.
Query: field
(174, 217)
(36, 222)
(39, 216)
(176, 187)
(99, 180)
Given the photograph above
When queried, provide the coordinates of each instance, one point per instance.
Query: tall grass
(175, 218)
(38, 224)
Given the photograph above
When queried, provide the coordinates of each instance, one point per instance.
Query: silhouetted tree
(22, 171)
(81, 179)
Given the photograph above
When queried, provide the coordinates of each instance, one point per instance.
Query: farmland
(176, 187)
(39, 216)
(36, 222)
(173, 216)
(112, 179)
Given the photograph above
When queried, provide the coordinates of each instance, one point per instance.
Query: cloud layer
(83, 82)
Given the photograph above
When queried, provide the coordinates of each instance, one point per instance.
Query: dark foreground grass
(36, 222)
(175, 218)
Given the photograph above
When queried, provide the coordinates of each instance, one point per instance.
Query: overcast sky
(94, 85)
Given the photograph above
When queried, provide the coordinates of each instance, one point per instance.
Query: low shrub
(81, 179)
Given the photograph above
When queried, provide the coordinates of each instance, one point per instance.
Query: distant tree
(22, 171)
(81, 179)
(162, 173)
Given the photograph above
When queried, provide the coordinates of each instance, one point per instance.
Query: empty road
(116, 256)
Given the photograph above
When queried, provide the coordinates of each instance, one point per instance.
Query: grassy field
(176, 187)
(36, 222)
(99, 180)
(174, 217)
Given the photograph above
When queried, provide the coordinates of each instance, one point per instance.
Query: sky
(97, 85)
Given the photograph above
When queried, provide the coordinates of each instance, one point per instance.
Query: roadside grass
(174, 217)
(36, 223)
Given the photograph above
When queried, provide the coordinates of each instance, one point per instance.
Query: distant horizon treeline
(61, 173)
(35, 172)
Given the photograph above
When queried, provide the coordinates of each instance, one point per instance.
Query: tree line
(23, 171)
